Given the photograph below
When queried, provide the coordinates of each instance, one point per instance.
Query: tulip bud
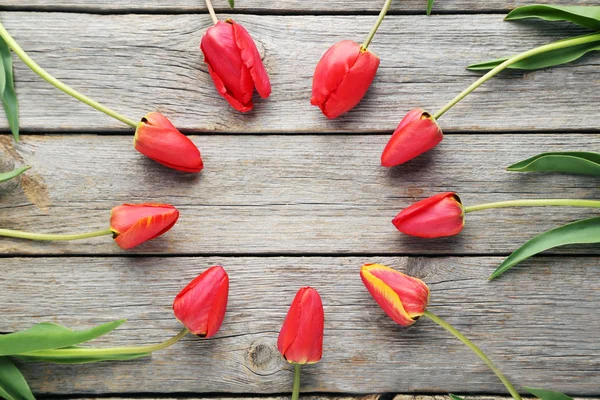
(301, 336)
(402, 297)
(134, 224)
(234, 64)
(157, 138)
(437, 216)
(342, 77)
(201, 305)
(417, 133)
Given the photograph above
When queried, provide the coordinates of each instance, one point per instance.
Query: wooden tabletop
(288, 199)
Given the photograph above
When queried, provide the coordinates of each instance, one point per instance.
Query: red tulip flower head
(437, 216)
(157, 138)
(402, 297)
(342, 77)
(417, 133)
(134, 224)
(301, 336)
(234, 64)
(201, 305)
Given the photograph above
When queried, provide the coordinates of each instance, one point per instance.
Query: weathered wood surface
(287, 194)
(539, 324)
(274, 6)
(140, 63)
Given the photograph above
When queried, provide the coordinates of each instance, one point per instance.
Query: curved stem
(49, 236)
(380, 18)
(476, 350)
(296, 389)
(514, 59)
(535, 203)
(110, 351)
(58, 84)
(211, 11)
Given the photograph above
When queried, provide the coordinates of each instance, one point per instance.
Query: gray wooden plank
(289, 6)
(338, 397)
(287, 194)
(537, 323)
(140, 63)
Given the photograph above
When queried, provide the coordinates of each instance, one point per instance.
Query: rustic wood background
(289, 199)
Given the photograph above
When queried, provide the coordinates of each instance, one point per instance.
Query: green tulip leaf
(571, 162)
(455, 397)
(429, 6)
(13, 385)
(14, 173)
(583, 231)
(547, 394)
(47, 336)
(80, 355)
(7, 89)
(231, 3)
(586, 16)
(544, 60)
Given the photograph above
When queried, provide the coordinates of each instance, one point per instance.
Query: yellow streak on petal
(390, 296)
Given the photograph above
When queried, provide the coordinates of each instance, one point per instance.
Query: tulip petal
(437, 216)
(136, 224)
(220, 86)
(251, 58)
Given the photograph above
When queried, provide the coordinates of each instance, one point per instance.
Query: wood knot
(263, 357)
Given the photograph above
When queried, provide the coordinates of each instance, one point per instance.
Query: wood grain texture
(141, 63)
(289, 6)
(287, 194)
(537, 323)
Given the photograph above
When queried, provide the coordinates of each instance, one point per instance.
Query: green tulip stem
(58, 84)
(476, 350)
(211, 11)
(49, 236)
(380, 18)
(296, 389)
(535, 203)
(109, 351)
(519, 57)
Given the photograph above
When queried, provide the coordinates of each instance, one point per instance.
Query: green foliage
(231, 3)
(547, 394)
(46, 336)
(582, 163)
(13, 385)
(429, 6)
(586, 16)
(80, 355)
(14, 173)
(7, 89)
(583, 231)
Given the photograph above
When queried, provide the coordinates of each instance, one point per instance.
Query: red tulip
(157, 138)
(301, 336)
(417, 133)
(342, 77)
(437, 216)
(201, 305)
(234, 64)
(134, 224)
(402, 297)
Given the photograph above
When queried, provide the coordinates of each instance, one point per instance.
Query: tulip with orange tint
(402, 297)
(157, 138)
(301, 336)
(342, 78)
(417, 133)
(437, 216)
(201, 305)
(234, 64)
(134, 224)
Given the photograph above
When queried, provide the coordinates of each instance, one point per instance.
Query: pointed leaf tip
(586, 16)
(14, 173)
(231, 4)
(429, 6)
(570, 162)
(547, 394)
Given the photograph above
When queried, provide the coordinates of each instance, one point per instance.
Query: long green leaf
(544, 60)
(547, 394)
(583, 231)
(231, 4)
(13, 385)
(455, 397)
(68, 358)
(47, 336)
(586, 16)
(7, 90)
(429, 6)
(582, 163)
(14, 173)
